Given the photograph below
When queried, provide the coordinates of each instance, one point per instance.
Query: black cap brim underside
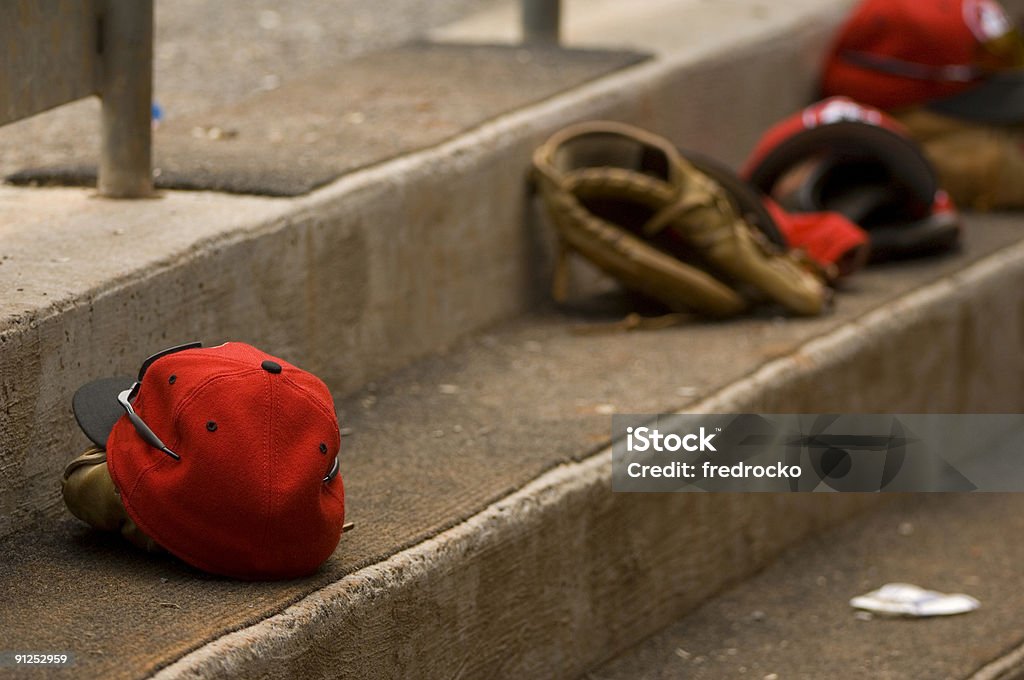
(96, 407)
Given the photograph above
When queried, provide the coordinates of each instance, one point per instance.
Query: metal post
(126, 88)
(541, 20)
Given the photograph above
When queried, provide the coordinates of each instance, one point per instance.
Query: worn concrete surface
(451, 438)
(477, 579)
(201, 80)
(793, 619)
(385, 266)
(210, 55)
(309, 132)
(563, 571)
(534, 587)
(661, 26)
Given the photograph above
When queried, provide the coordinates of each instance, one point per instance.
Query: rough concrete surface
(600, 568)
(537, 586)
(210, 55)
(447, 438)
(311, 131)
(385, 266)
(469, 506)
(793, 619)
(662, 26)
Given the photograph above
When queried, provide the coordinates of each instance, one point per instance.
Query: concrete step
(309, 132)
(665, 27)
(793, 619)
(488, 543)
(479, 481)
(211, 56)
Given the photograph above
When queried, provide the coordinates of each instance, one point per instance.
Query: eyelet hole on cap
(173, 379)
(211, 426)
(323, 448)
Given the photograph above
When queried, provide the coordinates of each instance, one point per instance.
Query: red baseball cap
(853, 159)
(964, 58)
(226, 456)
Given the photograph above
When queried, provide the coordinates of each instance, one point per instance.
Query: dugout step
(501, 440)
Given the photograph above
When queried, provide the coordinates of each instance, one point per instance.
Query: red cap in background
(964, 57)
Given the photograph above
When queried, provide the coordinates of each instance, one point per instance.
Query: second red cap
(966, 54)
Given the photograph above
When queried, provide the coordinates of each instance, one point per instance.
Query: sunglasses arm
(140, 425)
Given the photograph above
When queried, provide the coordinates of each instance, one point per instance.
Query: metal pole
(541, 20)
(126, 88)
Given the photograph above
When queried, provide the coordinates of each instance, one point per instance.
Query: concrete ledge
(950, 347)
(313, 130)
(792, 619)
(380, 268)
(564, 574)
(544, 583)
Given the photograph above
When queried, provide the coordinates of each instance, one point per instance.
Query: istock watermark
(647, 439)
(818, 452)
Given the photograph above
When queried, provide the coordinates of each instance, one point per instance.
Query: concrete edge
(1005, 667)
(844, 342)
(226, 653)
(339, 614)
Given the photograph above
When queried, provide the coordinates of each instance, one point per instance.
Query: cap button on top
(271, 366)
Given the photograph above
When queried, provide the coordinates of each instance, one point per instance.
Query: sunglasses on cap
(125, 400)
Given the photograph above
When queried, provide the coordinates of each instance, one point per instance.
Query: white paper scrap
(905, 599)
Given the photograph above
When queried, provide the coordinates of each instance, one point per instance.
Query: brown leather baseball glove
(631, 204)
